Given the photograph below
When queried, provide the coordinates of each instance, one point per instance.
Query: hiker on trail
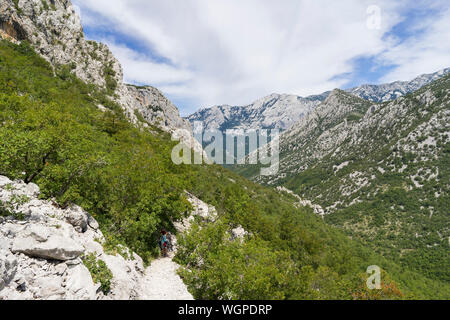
(163, 242)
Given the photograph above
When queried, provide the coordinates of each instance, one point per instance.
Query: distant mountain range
(283, 110)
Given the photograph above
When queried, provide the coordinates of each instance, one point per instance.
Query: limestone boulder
(79, 284)
(47, 243)
(78, 218)
(8, 268)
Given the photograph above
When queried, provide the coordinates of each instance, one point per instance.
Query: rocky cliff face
(282, 111)
(55, 31)
(273, 112)
(156, 108)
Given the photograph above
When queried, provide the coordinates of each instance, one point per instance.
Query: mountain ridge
(281, 111)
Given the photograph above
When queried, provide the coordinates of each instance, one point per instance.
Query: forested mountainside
(78, 140)
(281, 111)
(53, 134)
(379, 171)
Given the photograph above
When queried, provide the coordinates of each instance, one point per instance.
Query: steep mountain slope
(394, 90)
(282, 111)
(380, 171)
(155, 108)
(55, 31)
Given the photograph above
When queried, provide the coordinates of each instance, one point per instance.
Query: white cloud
(140, 69)
(235, 51)
(425, 53)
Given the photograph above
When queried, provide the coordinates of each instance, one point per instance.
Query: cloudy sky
(202, 53)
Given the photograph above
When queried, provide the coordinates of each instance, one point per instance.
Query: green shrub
(99, 271)
(111, 82)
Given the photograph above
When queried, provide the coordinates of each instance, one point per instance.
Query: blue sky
(209, 52)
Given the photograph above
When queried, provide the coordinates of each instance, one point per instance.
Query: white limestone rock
(79, 284)
(8, 268)
(127, 276)
(92, 223)
(282, 111)
(78, 218)
(56, 246)
(57, 35)
(238, 233)
(41, 259)
(156, 109)
(200, 209)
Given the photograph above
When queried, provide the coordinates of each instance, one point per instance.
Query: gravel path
(163, 283)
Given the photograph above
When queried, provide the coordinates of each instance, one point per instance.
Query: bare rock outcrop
(42, 248)
(43, 242)
(201, 210)
(54, 29)
(156, 108)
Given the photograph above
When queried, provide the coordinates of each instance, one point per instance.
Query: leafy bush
(99, 271)
(111, 82)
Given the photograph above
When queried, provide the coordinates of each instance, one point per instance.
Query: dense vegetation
(53, 134)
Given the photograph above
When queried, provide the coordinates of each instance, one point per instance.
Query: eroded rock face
(41, 256)
(55, 31)
(156, 108)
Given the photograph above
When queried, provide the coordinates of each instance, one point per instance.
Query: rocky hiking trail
(42, 255)
(162, 282)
